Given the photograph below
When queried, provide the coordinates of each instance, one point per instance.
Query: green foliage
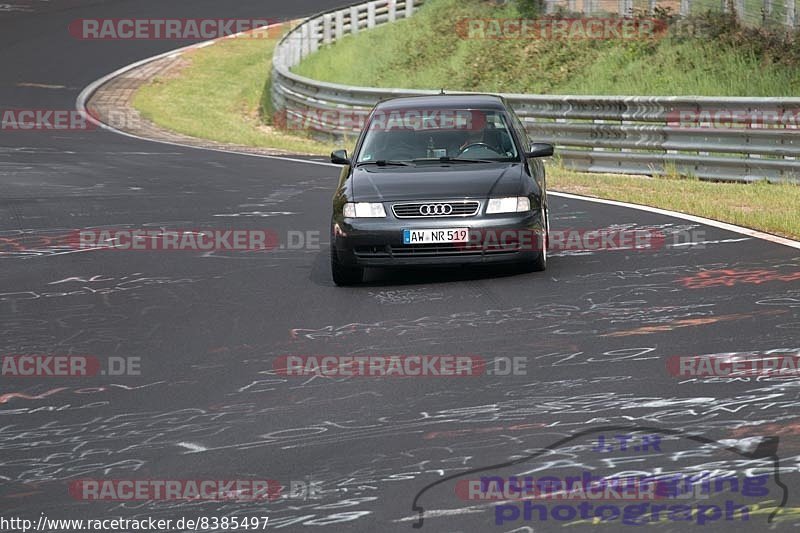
(706, 54)
(530, 8)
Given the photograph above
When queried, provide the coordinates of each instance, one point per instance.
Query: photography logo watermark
(550, 28)
(627, 443)
(177, 29)
(68, 366)
(633, 497)
(175, 489)
(684, 491)
(776, 118)
(774, 363)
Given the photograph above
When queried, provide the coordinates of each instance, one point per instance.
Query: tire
(344, 275)
(539, 262)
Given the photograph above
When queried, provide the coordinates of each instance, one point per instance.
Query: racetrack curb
(107, 102)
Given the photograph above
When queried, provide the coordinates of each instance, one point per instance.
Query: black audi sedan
(440, 180)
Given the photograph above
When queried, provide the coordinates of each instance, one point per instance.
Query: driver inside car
(400, 146)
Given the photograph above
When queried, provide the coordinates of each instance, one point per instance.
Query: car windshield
(421, 135)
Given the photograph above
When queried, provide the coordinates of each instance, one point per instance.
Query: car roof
(464, 101)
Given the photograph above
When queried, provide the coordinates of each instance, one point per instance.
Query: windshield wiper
(384, 163)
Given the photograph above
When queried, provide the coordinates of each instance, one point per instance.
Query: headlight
(364, 210)
(515, 204)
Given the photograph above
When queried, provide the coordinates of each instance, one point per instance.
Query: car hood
(465, 180)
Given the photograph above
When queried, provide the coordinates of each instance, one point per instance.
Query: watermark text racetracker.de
(67, 366)
(577, 240)
(568, 240)
(415, 119)
(710, 118)
(67, 120)
(552, 28)
(12, 120)
(197, 240)
(176, 29)
(770, 363)
(175, 489)
(401, 366)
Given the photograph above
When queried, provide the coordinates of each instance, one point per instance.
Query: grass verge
(769, 207)
(222, 94)
(714, 57)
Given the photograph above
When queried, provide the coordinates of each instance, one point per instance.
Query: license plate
(435, 236)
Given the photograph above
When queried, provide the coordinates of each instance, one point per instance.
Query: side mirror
(540, 150)
(339, 157)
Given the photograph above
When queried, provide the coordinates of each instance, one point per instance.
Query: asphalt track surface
(595, 330)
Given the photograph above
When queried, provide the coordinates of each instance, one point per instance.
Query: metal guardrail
(619, 134)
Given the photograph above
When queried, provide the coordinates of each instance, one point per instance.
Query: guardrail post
(305, 41)
(354, 20)
(313, 35)
(685, 8)
(296, 48)
(409, 8)
(623, 123)
(339, 31)
(392, 10)
(790, 14)
(653, 4)
(599, 148)
(326, 29)
(371, 15)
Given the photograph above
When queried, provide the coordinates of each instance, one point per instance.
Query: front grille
(436, 209)
(372, 251)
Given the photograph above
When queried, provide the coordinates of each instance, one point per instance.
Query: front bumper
(379, 242)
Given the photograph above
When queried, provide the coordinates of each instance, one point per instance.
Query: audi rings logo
(435, 209)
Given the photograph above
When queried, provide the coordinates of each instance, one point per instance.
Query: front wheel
(345, 275)
(538, 263)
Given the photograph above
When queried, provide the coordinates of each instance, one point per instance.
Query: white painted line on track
(692, 218)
